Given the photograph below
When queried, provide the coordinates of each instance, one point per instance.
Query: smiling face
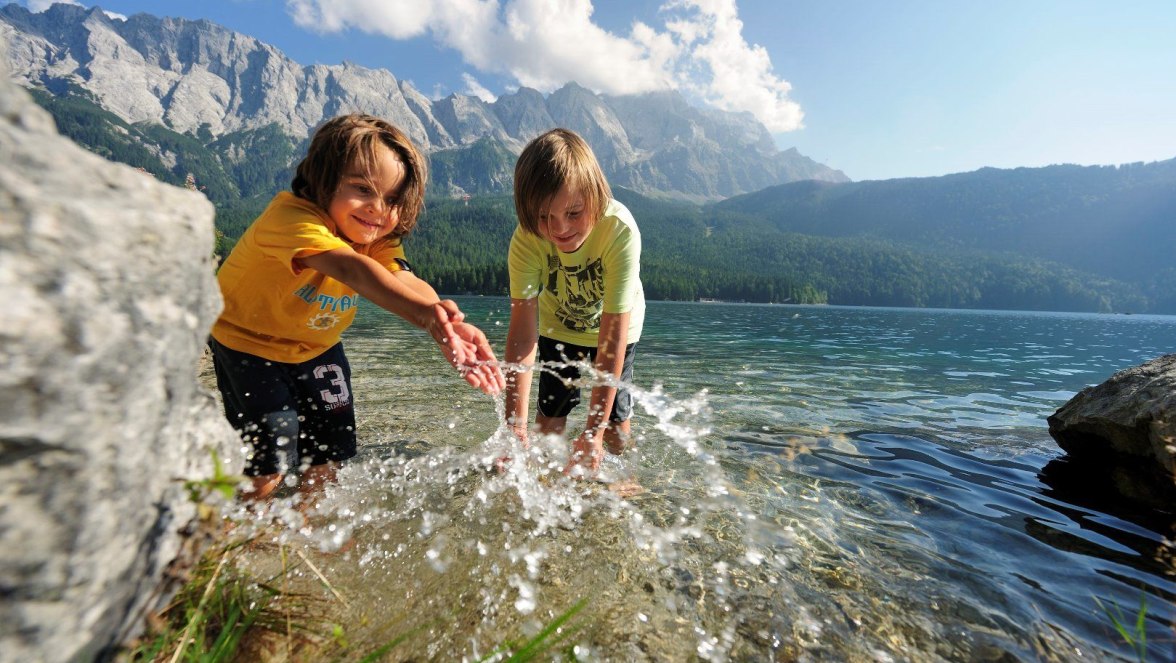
(365, 206)
(565, 220)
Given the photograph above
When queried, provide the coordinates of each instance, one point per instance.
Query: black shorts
(293, 415)
(558, 393)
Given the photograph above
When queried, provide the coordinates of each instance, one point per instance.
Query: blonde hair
(350, 141)
(550, 161)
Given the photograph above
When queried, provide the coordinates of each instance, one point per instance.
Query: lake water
(821, 483)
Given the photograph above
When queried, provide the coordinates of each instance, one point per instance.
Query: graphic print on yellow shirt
(274, 308)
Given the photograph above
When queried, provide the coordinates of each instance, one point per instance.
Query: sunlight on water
(487, 552)
(830, 485)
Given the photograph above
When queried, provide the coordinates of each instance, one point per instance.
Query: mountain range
(724, 214)
(1114, 221)
(198, 78)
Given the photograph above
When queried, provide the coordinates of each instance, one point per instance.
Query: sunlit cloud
(474, 88)
(698, 49)
(38, 6)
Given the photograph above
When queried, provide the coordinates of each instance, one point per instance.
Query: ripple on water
(836, 498)
(985, 525)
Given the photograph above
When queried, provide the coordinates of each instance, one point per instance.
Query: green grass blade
(378, 654)
(537, 645)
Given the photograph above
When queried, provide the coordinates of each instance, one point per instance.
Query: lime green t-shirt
(274, 308)
(574, 289)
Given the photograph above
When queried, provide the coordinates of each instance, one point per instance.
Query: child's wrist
(434, 319)
(434, 328)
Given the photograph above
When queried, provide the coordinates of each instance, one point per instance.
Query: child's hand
(520, 432)
(587, 452)
(466, 347)
(480, 367)
(445, 315)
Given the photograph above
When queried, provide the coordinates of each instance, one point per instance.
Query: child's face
(365, 208)
(565, 220)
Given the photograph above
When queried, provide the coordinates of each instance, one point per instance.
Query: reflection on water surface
(820, 483)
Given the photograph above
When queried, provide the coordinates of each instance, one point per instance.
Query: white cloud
(38, 6)
(474, 88)
(543, 44)
(736, 75)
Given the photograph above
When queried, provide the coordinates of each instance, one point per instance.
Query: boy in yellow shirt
(293, 283)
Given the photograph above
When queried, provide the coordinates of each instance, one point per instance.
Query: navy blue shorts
(558, 393)
(294, 415)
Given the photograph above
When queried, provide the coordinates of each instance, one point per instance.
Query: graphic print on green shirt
(580, 291)
(576, 289)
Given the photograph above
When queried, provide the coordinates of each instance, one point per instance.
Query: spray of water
(471, 550)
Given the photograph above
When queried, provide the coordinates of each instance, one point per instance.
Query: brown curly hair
(350, 140)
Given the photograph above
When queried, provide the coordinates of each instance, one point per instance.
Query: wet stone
(677, 578)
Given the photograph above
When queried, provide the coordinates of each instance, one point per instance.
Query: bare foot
(345, 548)
(626, 488)
(262, 487)
(501, 464)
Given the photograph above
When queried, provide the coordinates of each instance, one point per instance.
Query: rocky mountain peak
(524, 113)
(199, 77)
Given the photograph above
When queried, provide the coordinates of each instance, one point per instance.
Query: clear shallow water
(822, 483)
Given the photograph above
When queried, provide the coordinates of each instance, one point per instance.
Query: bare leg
(263, 487)
(314, 481)
(617, 437)
(551, 425)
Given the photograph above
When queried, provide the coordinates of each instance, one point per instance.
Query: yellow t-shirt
(277, 310)
(574, 289)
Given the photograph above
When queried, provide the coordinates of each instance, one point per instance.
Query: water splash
(783, 535)
(435, 531)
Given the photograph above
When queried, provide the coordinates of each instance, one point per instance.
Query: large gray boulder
(107, 274)
(1130, 417)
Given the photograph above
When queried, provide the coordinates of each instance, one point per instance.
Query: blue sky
(876, 89)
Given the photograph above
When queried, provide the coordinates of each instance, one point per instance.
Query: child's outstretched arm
(522, 338)
(402, 293)
(588, 448)
(481, 369)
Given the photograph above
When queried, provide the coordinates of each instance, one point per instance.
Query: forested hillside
(1116, 221)
(891, 243)
(690, 254)
(238, 172)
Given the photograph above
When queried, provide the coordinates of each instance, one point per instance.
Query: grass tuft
(1134, 635)
(208, 617)
(540, 644)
